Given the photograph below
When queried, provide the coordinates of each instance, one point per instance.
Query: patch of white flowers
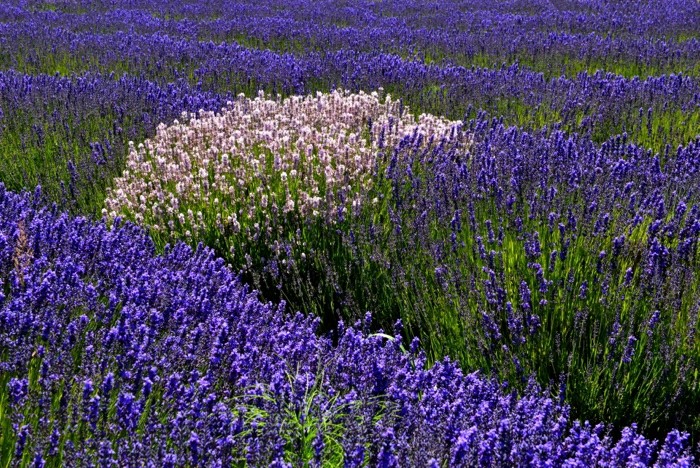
(262, 159)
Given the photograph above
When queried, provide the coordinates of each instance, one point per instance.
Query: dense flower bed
(114, 355)
(513, 253)
(525, 205)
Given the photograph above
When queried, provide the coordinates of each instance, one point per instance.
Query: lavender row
(112, 355)
(157, 56)
(515, 253)
(548, 254)
(632, 39)
(655, 111)
(73, 133)
(650, 19)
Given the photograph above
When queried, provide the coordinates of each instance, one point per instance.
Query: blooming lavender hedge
(72, 132)
(113, 355)
(514, 253)
(563, 37)
(260, 161)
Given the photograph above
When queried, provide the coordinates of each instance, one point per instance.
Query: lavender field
(390, 233)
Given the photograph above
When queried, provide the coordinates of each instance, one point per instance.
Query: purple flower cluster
(582, 103)
(652, 34)
(112, 355)
(600, 242)
(56, 117)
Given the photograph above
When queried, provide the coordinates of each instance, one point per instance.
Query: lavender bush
(527, 254)
(72, 133)
(115, 356)
(252, 167)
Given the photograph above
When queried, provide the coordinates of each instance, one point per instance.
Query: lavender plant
(72, 134)
(113, 355)
(262, 168)
(535, 254)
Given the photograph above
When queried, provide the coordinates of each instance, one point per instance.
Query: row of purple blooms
(653, 18)
(438, 88)
(587, 104)
(627, 31)
(114, 355)
(29, 45)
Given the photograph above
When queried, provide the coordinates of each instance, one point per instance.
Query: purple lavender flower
(168, 329)
(629, 349)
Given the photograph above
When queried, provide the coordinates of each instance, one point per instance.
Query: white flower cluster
(261, 159)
